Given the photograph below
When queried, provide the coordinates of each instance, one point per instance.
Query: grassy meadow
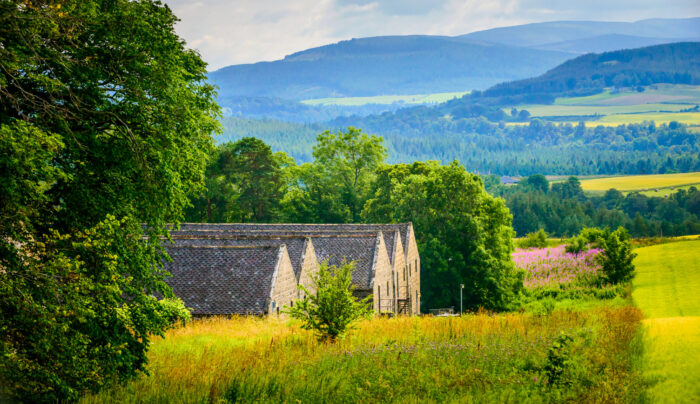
(476, 358)
(666, 290)
(574, 341)
(660, 103)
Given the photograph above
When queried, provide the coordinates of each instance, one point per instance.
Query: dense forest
(319, 191)
(675, 63)
(490, 148)
(562, 209)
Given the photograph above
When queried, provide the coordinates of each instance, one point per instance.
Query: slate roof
(218, 280)
(295, 244)
(359, 248)
(307, 229)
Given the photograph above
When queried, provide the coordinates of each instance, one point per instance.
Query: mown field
(667, 290)
(641, 182)
(387, 99)
(660, 103)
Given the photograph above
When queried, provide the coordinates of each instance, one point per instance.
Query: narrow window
(415, 265)
(278, 310)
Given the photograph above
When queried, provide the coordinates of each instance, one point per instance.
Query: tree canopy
(105, 125)
(464, 235)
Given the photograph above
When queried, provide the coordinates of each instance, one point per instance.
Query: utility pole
(461, 288)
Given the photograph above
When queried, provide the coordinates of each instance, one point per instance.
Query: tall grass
(478, 357)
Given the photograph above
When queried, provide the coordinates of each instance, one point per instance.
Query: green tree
(105, 125)
(464, 235)
(346, 161)
(245, 183)
(331, 308)
(617, 258)
(618, 265)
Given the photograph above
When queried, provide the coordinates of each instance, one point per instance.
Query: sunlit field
(641, 182)
(666, 290)
(476, 358)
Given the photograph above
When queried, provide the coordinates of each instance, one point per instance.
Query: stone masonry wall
(284, 287)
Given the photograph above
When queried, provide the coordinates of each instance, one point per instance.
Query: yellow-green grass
(667, 290)
(688, 118)
(475, 358)
(667, 191)
(641, 182)
(387, 99)
(666, 93)
(574, 110)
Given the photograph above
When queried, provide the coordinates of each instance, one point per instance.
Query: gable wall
(284, 286)
(383, 279)
(413, 264)
(309, 266)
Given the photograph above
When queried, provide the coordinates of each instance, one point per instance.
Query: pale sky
(246, 31)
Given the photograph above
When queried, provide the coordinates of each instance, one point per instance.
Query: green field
(667, 289)
(435, 98)
(662, 182)
(659, 103)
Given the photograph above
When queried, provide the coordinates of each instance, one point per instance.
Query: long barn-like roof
(295, 245)
(282, 229)
(220, 280)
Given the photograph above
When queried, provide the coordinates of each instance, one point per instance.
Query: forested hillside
(385, 65)
(563, 209)
(486, 147)
(677, 63)
(417, 64)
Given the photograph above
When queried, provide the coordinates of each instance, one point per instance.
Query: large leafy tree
(105, 123)
(245, 183)
(346, 162)
(464, 235)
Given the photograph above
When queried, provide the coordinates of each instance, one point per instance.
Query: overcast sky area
(230, 32)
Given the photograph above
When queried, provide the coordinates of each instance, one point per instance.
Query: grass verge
(666, 290)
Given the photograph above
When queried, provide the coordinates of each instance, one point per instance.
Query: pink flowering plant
(556, 269)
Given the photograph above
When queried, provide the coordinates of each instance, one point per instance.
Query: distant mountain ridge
(419, 64)
(385, 65)
(546, 33)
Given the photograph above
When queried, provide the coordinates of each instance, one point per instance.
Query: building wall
(383, 283)
(284, 284)
(309, 266)
(400, 269)
(413, 264)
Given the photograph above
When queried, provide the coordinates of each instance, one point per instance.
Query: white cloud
(247, 31)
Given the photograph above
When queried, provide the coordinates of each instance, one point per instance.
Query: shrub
(617, 265)
(537, 239)
(558, 359)
(617, 251)
(332, 309)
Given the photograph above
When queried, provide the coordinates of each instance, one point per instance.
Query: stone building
(226, 279)
(387, 263)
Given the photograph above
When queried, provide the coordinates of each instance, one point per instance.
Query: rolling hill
(385, 65)
(422, 64)
(546, 34)
(676, 63)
